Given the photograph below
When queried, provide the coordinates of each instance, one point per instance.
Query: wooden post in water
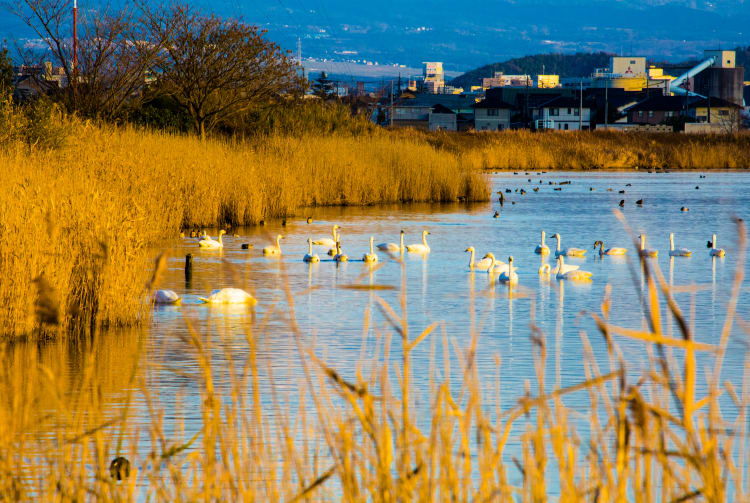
(188, 269)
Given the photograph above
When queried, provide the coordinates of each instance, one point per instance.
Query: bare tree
(218, 68)
(114, 55)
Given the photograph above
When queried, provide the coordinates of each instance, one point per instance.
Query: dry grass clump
(648, 437)
(83, 216)
(524, 150)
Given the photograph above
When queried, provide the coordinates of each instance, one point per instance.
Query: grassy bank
(647, 435)
(80, 219)
(524, 150)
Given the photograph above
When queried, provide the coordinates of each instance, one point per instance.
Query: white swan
(274, 249)
(309, 256)
(482, 265)
(330, 243)
(544, 269)
(496, 266)
(645, 251)
(166, 297)
(542, 249)
(370, 258)
(609, 251)
(509, 276)
(393, 247)
(679, 252)
(229, 296)
(572, 275)
(420, 248)
(212, 244)
(567, 252)
(715, 252)
(340, 257)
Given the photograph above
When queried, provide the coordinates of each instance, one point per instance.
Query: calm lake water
(440, 287)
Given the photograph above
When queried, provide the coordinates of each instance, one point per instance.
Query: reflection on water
(439, 286)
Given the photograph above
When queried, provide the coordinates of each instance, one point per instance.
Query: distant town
(628, 95)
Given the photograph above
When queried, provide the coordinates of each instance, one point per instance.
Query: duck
(496, 266)
(542, 249)
(370, 258)
(309, 220)
(330, 243)
(212, 244)
(715, 252)
(420, 247)
(621, 204)
(509, 276)
(166, 297)
(567, 252)
(644, 251)
(393, 247)
(609, 251)
(310, 256)
(340, 257)
(496, 215)
(639, 202)
(570, 274)
(274, 249)
(229, 296)
(679, 252)
(684, 208)
(482, 265)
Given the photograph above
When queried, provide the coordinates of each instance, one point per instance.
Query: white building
(563, 114)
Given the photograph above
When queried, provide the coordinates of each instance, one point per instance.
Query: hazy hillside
(565, 65)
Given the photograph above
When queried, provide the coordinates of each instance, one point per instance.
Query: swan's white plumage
(212, 244)
(340, 257)
(274, 249)
(716, 252)
(677, 252)
(645, 251)
(310, 256)
(371, 257)
(542, 248)
(570, 274)
(392, 247)
(567, 252)
(419, 247)
(166, 297)
(609, 251)
(481, 265)
(509, 276)
(229, 296)
(330, 243)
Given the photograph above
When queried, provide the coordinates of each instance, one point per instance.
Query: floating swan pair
(565, 271)
(485, 263)
(223, 296)
(507, 271)
(422, 247)
(211, 244)
(274, 250)
(330, 243)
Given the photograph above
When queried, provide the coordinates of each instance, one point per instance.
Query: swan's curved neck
(542, 238)
(671, 242)
(401, 242)
(557, 238)
(471, 260)
(643, 242)
(309, 246)
(335, 237)
(220, 241)
(492, 265)
(713, 241)
(424, 238)
(372, 252)
(278, 242)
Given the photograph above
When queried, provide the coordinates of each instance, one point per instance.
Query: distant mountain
(564, 65)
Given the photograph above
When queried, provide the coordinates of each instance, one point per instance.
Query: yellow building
(547, 81)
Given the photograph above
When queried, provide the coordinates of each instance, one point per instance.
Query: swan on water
(496, 266)
(420, 248)
(393, 247)
(542, 249)
(166, 297)
(229, 296)
(567, 252)
(370, 258)
(340, 257)
(677, 252)
(330, 243)
(509, 276)
(274, 249)
(609, 251)
(572, 275)
(309, 256)
(715, 252)
(482, 264)
(645, 251)
(207, 242)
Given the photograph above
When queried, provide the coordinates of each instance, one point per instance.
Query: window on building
(723, 112)
(492, 112)
(576, 112)
(632, 61)
(650, 113)
(566, 126)
(554, 111)
(669, 114)
(569, 112)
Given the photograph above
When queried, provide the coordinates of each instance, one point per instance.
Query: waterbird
(507, 191)
(568, 252)
(509, 277)
(496, 215)
(330, 243)
(678, 252)
(229, 296)
(628, 184)
(557, 188)
(541, 248)
(482, 264)
(166, 297)
(310, 256)
(246, 246)
(371, 257)
(274, 249)
(283, 222)
(496, 266)
(621, 192)
(309, 220)
(571, 274)
(535, 189)
(644, 251)
(340, 257)
(609, 251)
(715, 252)
(420, 247)
(697, 187)
(639, 202)
(119, 468)
(622, 203)
(684, 208)
(212, 244)
(393, 247)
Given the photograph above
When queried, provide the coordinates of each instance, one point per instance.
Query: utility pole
(75, 42)
(606, 104)
(580, 109)
(390, 114)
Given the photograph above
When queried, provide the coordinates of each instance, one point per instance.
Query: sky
(471, 34)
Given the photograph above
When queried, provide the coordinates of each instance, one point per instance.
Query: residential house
(725, 114)
(415, 110)
(492, 114)
(563, 113)
(442, 118)
(657, 110)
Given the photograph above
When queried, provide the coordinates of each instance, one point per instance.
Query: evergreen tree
(6, 72)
